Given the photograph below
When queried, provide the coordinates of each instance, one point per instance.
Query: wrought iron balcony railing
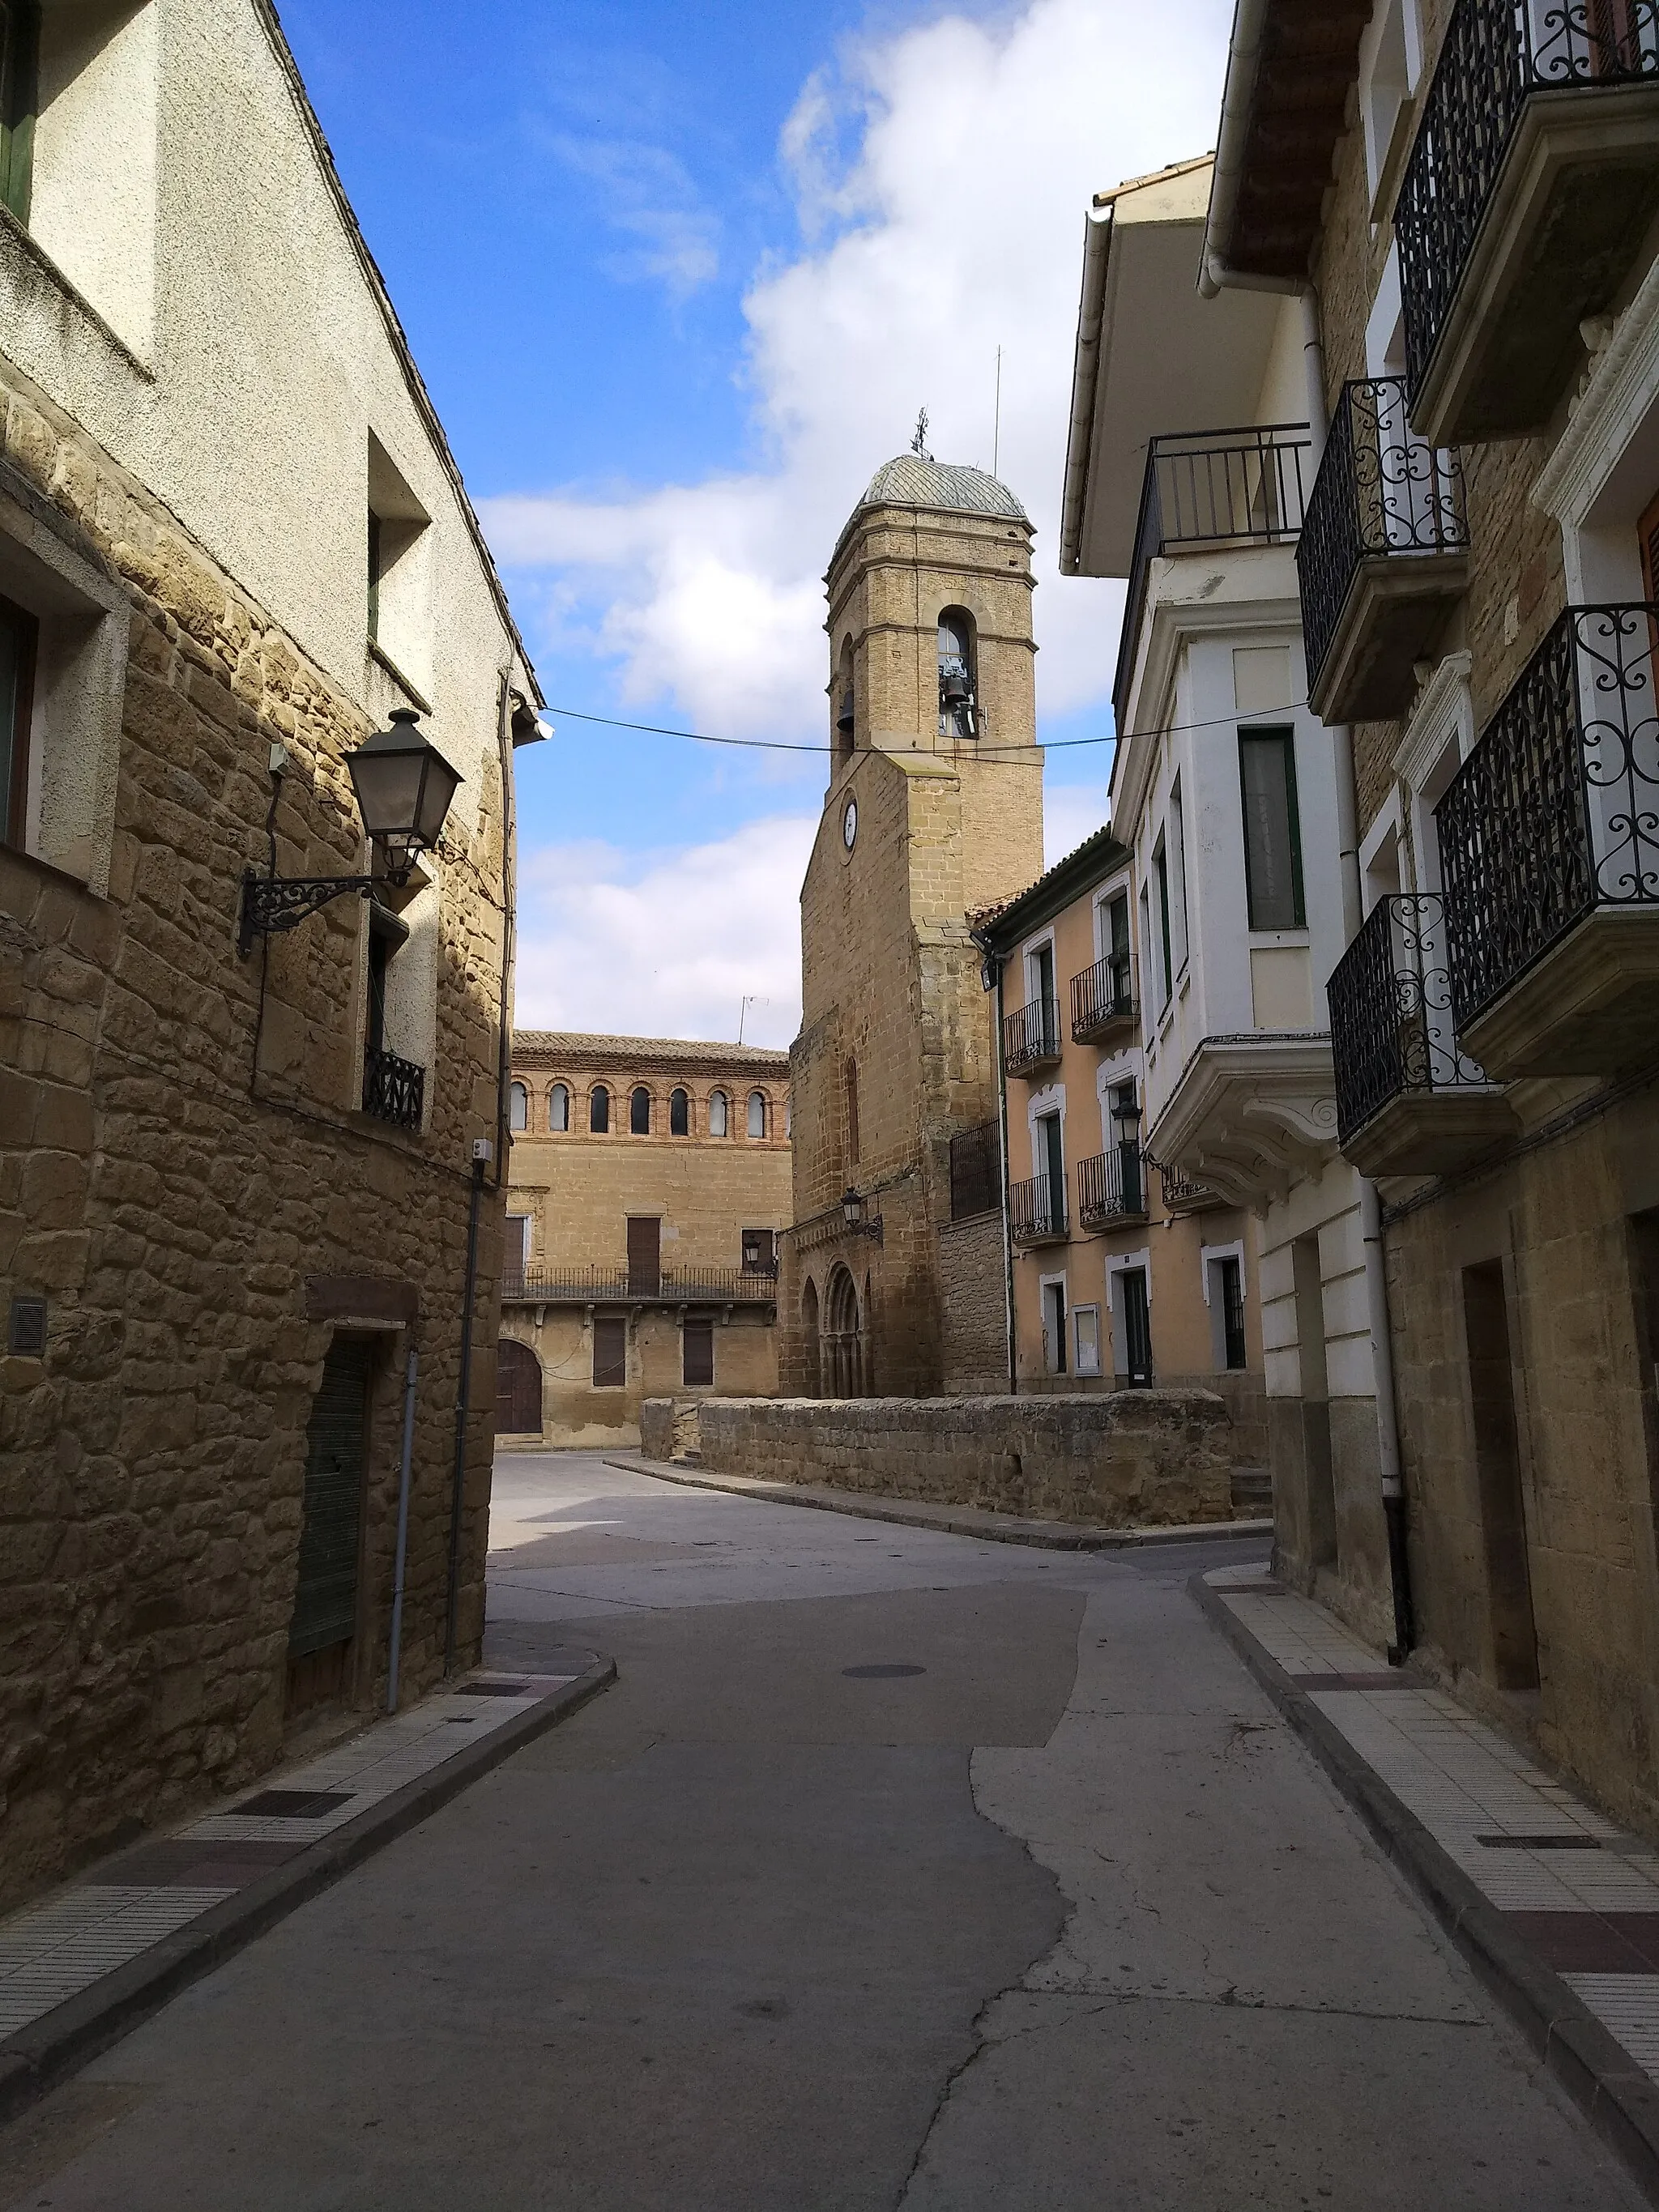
(1111, 1186)
(1556, 811)
(1183, 1195)
(1380, 492)
(393, 1090)
(658, 1287)
(1036, 1211)
(1211, 488)
(1496, 56)
(1392, 1028)
(1102, 996)
(1031, 1037)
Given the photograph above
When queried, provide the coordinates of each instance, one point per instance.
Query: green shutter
(20, 52)
(326, 1599)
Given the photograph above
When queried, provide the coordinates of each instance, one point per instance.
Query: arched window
(679, 1114)
(518, 1106)
(959, 707)
(717, 1114)
(638, 1111)
(841, 696)
(599, 1110)
(757, 1113)
(558, 1107)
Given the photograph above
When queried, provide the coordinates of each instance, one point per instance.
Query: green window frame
(20, 77)
(20, 638)
(1161, 870)
(1273, 829)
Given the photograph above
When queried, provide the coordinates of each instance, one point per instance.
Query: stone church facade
(893, 1275)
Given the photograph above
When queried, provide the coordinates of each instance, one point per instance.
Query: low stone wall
(1135, 1457)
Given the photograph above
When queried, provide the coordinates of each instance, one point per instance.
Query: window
(558, 1107)
(516, 1247)
(1049, 1156)
(599, 1110)
(1227, 1288)
(518, 1107)
(1177, 880)
(397, 529)
(757, 1113)
(1114, 949)
(386, 933)
(958, 713)
(1161, 878)
(679, 1114)
(1273, 837)
(610, 1354)
(696, 1353)
(760, 1251)
(845, 714)
(1085, 1329)
(719, 1114)
(20, 56)
(1053, 1327)
(19, 637)
(374, 526)
(638, 1111)
(1135, 1327)
(850, 1081)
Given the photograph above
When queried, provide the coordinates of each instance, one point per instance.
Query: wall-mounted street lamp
(1126, 1112)
(404, 787)
(853, 1214)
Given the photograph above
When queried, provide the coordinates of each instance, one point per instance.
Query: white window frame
(1045, 1284)
(1208, 1256)
(1121, 1263)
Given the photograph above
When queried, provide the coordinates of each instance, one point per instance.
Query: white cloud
(954, 225)
(647, 194)
(666, 944)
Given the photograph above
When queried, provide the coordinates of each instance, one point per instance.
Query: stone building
(1189, 469)
(1465, 221)
(933, 809)
(1123, 1274)
(648, 1184)
(235, 1191)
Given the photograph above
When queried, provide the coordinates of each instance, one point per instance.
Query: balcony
(1031, 1038)
(1104, 1009)
(669, 1287)
(1382, 558)
(1111, 1189)
(1408, 1101)
(1532, 182)
(1183, 1195)
(1549, 848)
(1036, 1211)
(393, 1090)
(1211, 489)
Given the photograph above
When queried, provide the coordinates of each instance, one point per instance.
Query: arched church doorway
(843, 1338)
(809, 1333)
(517, 1389)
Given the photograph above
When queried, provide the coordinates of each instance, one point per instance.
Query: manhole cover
(879, 1674)
(289, 1805)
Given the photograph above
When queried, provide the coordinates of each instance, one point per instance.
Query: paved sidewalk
(87, 1961)
(1557, 1905)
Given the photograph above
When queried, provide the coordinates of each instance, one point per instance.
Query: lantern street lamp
(1126, 1112)
(852, 1213)
(404, 785)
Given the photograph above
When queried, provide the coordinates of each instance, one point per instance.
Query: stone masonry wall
(176, 1203)
(974, 1289)
(1153, 1457)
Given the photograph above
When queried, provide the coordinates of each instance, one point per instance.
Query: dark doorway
(644, 1255)
(697, 1353)
(517, 1389)
(610, 1353)
(326, 1591)
(1137, 1326)
(1498, 1471)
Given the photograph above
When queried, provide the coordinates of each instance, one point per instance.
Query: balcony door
(1040, 996)
(1051, 1169)
(644, 1255)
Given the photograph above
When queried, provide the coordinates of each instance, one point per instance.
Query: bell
(955, 693)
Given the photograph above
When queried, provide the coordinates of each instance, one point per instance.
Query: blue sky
(679, 279)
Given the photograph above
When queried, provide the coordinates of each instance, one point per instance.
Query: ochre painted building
(649, 1181)
(935, 808)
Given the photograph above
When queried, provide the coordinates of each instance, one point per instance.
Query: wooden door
(325, 1592)
(644, 1255)
(517, 1389)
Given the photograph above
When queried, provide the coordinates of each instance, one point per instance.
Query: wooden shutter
(644, 1255)
(698, 1347)
(326, 1595)
(610, 1354)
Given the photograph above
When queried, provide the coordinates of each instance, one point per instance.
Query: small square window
(610, 1354)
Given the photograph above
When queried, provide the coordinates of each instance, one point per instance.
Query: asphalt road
(898, 1872)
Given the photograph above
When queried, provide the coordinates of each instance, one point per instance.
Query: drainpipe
(463, 1397)
(402, 1531)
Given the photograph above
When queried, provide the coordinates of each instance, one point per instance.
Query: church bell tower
(892, 1286)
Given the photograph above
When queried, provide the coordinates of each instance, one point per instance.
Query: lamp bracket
(273, 903)
(873, 1228)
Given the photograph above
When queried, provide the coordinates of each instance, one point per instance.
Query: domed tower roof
(918, 480)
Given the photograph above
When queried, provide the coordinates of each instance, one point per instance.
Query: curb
(950, 1521)
(1621, 2101)
(36, 2058)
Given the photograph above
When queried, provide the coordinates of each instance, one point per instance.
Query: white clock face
(849, 824)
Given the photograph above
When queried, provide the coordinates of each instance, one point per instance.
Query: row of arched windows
(604, 1112)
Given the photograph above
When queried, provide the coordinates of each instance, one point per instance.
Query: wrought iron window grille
(1556, 811)
(1495, 56)
(1381, 491)
(394, 1089)
(1392, 1025)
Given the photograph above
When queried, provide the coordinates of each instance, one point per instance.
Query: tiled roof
(916, 480)
(584, 1044)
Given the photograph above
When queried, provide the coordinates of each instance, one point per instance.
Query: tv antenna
(919, 442)
(996, 417)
